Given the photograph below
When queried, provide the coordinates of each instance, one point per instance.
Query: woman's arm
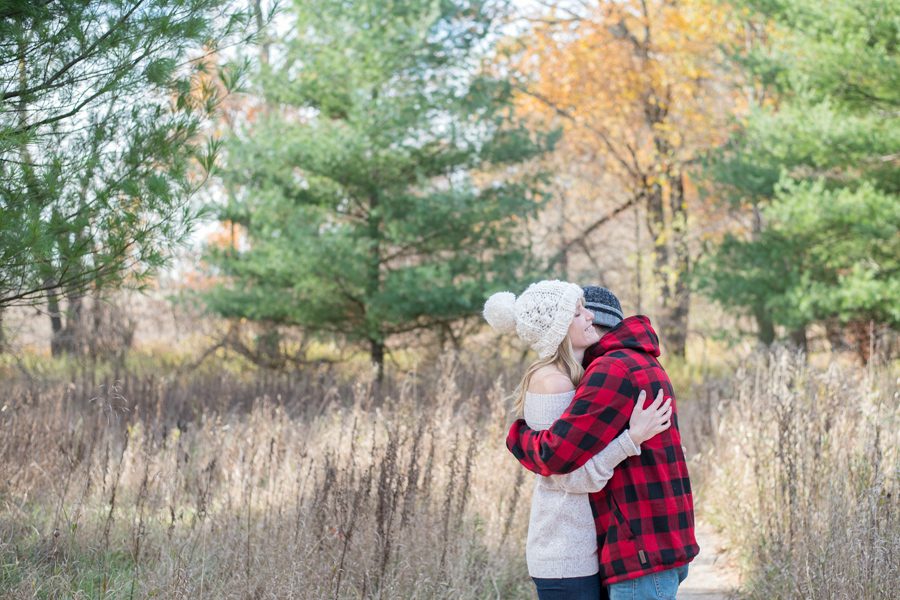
(596, 416)
(596, 472)
(593, 475)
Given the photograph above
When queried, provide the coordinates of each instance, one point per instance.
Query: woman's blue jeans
(661, 585)
(570, 588)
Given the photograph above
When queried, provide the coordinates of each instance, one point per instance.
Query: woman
(561, 549)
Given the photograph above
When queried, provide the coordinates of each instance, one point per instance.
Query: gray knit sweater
(562, 540)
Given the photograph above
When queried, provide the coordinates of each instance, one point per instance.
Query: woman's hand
(645, 423)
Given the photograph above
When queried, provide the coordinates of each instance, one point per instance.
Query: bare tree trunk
(56, 324)
(561, 236)
(376, 353)
(373, 287)
(670, 265)
(72, 336)
(668, 227)
(268, 345)
(765, 326)
(36, 193)
(639, 260)
(668, 223)
(677, 300)
(798, 338)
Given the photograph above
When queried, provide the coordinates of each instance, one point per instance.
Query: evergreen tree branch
(49, 83)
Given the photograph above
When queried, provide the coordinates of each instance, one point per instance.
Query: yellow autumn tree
(640, 90)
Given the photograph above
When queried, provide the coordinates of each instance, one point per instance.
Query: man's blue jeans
(661, 585)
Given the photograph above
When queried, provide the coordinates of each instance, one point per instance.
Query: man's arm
(598, 413)
(593, 475)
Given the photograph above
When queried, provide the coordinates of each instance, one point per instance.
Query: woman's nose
(588, 315)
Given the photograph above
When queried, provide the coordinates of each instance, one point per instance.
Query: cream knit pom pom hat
(540, 316)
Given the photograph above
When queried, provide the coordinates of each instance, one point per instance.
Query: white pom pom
(500, 312)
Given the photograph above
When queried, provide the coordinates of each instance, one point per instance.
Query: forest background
(244, 247)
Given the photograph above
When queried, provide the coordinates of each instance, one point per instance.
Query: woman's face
(581, 329)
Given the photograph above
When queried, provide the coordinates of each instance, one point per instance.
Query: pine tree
(100, 142)
(816, 160)
(382, 191)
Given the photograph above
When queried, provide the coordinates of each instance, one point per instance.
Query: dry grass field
(312, 485)
(273, 487)
(801, 471)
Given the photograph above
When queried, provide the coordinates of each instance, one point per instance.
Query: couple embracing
(612, 511)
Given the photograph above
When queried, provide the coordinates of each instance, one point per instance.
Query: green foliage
(820, 165)
(825, 254)
(384, 188)
(99, 129)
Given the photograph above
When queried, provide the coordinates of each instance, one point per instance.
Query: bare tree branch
(632, 170)
(580, 238)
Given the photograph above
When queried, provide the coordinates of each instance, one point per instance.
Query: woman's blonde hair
(563, 359)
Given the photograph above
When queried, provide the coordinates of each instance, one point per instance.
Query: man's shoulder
(625, 364)
(631, 359)
(606, 364)
(640, 370)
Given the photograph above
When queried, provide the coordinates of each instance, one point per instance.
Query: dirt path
(711, 575)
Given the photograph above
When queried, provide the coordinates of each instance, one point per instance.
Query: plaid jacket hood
(645, 514)
(633, 333)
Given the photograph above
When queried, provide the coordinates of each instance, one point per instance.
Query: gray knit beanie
(604, 304)
(540, 315)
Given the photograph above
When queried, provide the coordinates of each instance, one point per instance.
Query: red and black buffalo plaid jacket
(645, 514)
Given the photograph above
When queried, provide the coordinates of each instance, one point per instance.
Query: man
(645, 515)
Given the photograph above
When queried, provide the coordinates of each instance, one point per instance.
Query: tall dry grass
(801, 471)
(277, 487)
(309, 485)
